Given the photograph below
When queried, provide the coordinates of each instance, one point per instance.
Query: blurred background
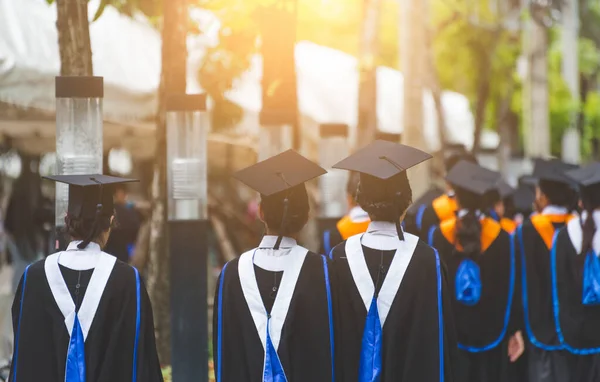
(509, 80)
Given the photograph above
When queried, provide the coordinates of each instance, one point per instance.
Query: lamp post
(333, 147)
(276, 133)
(187, 133)
(78, 137)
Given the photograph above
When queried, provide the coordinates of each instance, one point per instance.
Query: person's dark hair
(453, 160)
(384, 199)
(558, 193)
(81, 228)
(352, 185)
(590, 197)
(468, 232)
(297, 213)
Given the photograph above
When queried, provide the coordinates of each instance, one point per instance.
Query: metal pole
(187, 134)
(78, 137)
(276, 135)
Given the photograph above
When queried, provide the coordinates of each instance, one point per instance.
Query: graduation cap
(504, 189)
(278, 174)
(473, 178)
(551, 170)
(90, 196)
(383, 160)
(586, 176)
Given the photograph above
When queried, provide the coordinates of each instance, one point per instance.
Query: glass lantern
(78, 132)
(187, 172)
(333, 147)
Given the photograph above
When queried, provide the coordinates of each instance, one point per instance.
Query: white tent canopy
(126, 52)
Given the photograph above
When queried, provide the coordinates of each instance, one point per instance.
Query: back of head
(79, 228)
(590, 197)
(468, 232)
(273, 206)
(558, 193)
(384, 199)
(454, 159)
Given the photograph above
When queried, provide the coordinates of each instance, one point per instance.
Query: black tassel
(399, 214)
(286, 203)
(93, 232)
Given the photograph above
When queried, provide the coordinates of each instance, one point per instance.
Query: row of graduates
(460, 300)
(549, 268)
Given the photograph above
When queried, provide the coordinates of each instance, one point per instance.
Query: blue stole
(75, 370)
(370, 354)
(591, 280)
(273, 370)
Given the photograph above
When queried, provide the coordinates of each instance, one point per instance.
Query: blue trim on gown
(15, 361)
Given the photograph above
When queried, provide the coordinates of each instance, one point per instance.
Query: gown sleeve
(450, 339)
(148, 363)
(215, 323)
(429, 220)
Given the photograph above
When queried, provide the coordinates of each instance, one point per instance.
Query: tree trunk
(367, 87)
(172, 80)
(74, 44)
(414, 17)
(483, 90)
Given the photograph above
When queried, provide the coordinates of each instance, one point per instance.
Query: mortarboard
(585, 176)
(383, 159)
(277, 174)
(504, 189)
(473, 178)
(552, 170)
(86, 192)
(89, 196)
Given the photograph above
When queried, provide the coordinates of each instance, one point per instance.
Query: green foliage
(591, 127)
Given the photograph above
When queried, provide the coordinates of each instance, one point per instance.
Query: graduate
(391, 304)
(272, 306)
(444, 207)
(502, 206)
(481, 265)
(356, 221)
(576, 276)
(523, 199)
(547, 361)
(80, 314)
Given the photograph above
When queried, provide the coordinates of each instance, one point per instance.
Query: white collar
(103, 269)
(268, 241)
(358, 215)
(274, 260)
(80, 259)
(555, 210)
(576, 233)
(284, 296)
(393, 278)
(381, 236)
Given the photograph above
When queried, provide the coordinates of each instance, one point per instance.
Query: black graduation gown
(412, 348)
(416, 210)
(484, 329)
(305, 347)
(547, 361)
(433, 214)
(578, 324)
(42, 338)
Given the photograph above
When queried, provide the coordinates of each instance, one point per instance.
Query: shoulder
(425, 254)
(339, 251)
